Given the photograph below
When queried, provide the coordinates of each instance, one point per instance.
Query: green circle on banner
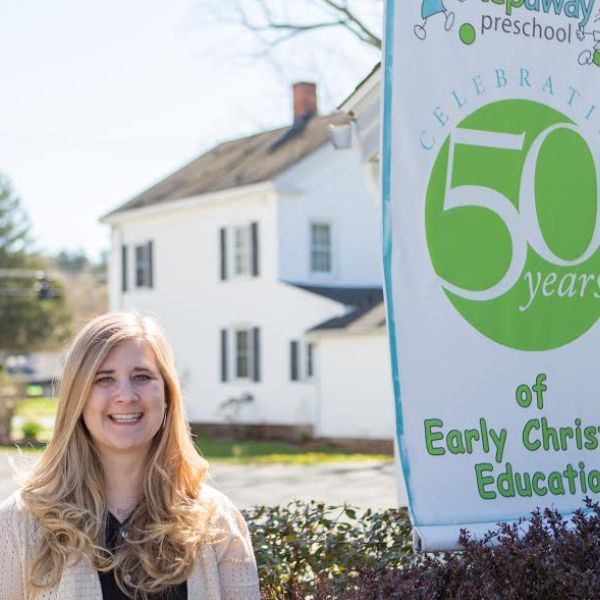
(467, 34)
(514, 237)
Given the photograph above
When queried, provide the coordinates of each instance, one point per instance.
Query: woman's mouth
(126, 418)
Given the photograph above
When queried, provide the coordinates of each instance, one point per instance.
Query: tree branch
(341, 15)
(363, 33)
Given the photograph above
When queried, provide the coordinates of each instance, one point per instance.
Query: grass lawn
(246, 451)
(275, 452)
(33, 408)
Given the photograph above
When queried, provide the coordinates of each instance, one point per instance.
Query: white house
(243, 251)
(354, 388)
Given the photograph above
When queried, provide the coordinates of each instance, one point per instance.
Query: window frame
(143, 265)
(303, 369)
(249, 358)
(246, 228)
(239, 251)
(320, 248)
(229, 361)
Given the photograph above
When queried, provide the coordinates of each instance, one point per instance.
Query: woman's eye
(104, 380)
(142, 378)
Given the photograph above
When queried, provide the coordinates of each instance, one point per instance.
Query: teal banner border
(386, 151)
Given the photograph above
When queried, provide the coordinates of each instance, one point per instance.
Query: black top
(110, 589)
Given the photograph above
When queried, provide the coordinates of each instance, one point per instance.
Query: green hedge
(304, 543)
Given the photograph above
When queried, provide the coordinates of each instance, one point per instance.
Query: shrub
(31, 430)
(304, 545)
(11, 388)
(544, 557)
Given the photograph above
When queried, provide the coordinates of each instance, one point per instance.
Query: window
(242, 353)
(301, 360)
(245, 353)
(239, 251)
(320, 248)
(143, 265)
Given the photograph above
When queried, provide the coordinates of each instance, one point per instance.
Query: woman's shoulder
(12, 504)
(229, 517)
(232, 545)
(14, 515)
(225, 509)
(219, 498)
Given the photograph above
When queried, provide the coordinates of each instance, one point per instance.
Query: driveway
(364, 484)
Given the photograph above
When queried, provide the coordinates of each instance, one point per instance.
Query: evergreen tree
(33, 313)
(14, 229)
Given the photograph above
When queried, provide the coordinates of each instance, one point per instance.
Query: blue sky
(100, 100)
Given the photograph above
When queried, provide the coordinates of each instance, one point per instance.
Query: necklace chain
(121, 513)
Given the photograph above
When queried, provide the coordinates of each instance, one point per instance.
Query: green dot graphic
(596, 58)
(510, 219)
(467, 33)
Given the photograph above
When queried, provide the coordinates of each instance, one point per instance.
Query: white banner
(491, 176)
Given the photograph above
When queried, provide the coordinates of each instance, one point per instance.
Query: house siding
(329, 186)
(355, 395)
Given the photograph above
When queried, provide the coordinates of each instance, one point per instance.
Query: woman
(117, 506)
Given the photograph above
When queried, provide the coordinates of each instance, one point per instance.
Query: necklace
(121, 513)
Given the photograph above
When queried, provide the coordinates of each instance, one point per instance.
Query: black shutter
(255, 250)
(294, 371)
(310, 355)
(123, 268)
(139, 269)
(150, 264)
(224, 374)
(223, 252)
(256, 353)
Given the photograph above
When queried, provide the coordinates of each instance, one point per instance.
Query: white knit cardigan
(222, 571)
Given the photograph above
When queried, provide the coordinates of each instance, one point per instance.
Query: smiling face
(126, 405)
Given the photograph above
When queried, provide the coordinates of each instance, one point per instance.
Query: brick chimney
(305, 100)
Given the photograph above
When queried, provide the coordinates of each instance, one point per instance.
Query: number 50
(522, 224)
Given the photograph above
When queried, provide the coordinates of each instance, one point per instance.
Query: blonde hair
(66, 491)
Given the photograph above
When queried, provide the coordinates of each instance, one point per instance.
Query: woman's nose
(126, 390)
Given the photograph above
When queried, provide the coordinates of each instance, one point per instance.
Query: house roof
(362, 319)
(360, 301)
(355, 297)
(240, 162)
(362, 87)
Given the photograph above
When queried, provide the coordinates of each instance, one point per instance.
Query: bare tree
(277, 21)
(331, 42)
